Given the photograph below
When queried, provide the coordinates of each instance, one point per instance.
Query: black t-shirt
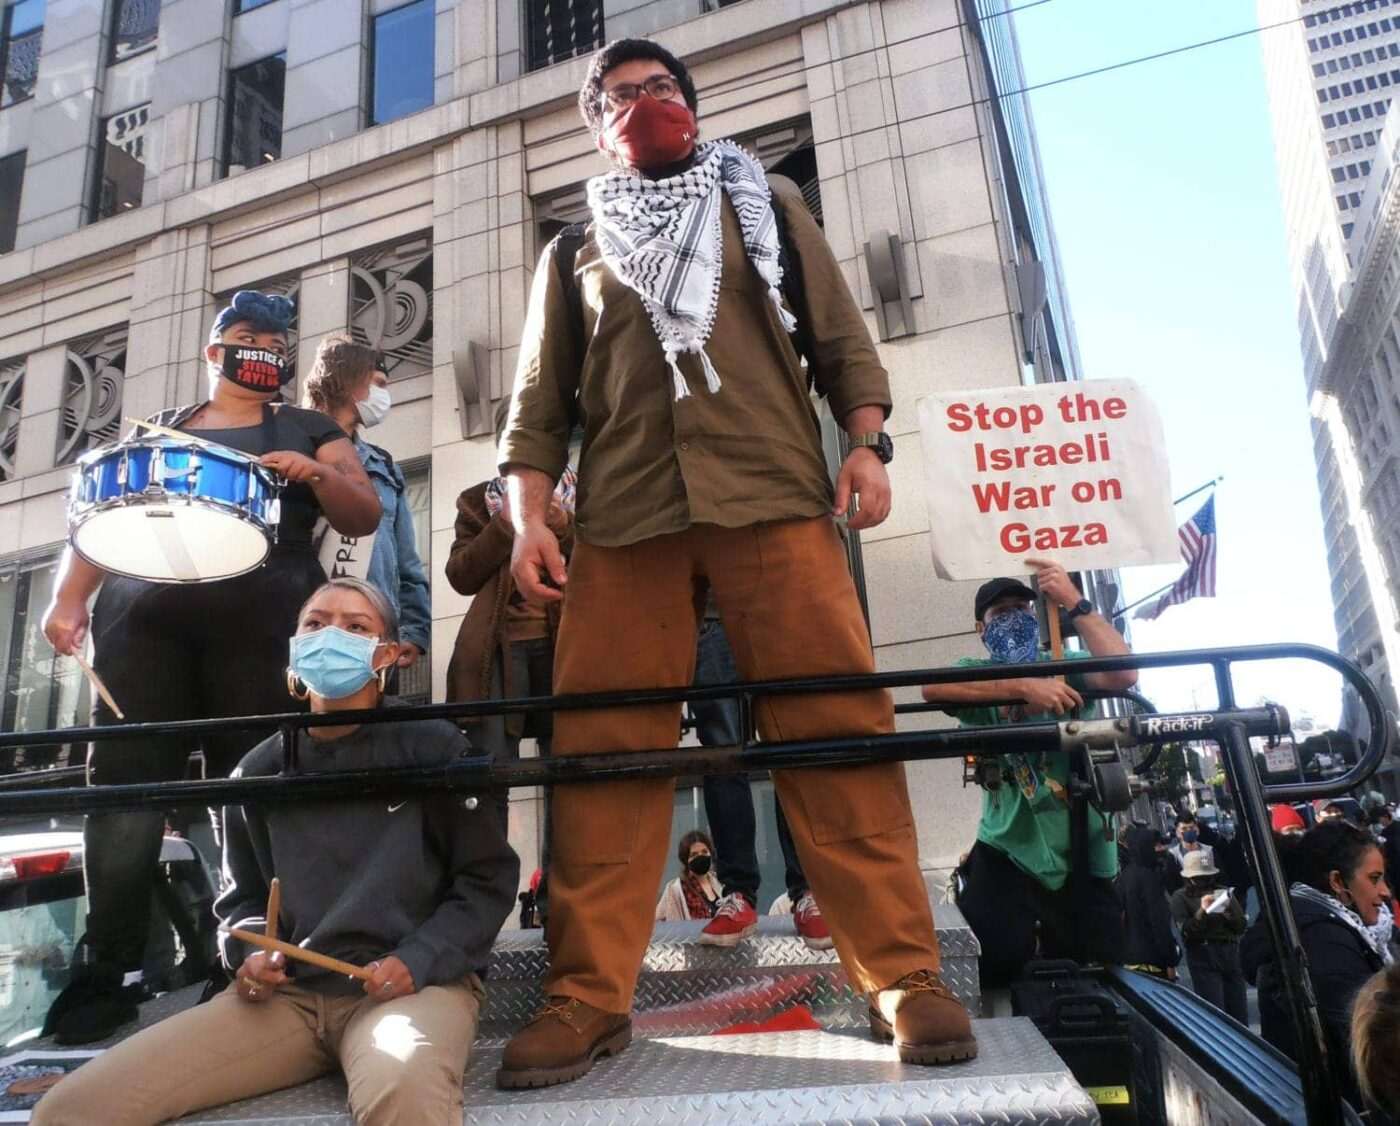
(284, 427)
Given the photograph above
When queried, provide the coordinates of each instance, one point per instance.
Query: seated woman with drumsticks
(413, 890)
(194, 649)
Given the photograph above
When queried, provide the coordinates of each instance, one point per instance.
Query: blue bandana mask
(1013, 637)
(332, 662)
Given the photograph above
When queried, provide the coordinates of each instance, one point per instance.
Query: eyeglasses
(662, 87)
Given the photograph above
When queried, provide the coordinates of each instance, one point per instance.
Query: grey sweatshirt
(424, 879)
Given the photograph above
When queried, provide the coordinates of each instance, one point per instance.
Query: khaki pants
(790, 609)
(403, 1060)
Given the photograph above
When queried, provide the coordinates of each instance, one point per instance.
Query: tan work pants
(403, 1060)
(790, 610)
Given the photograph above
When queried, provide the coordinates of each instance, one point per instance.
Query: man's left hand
(409, 656)
(863, 474)
(1055, 583)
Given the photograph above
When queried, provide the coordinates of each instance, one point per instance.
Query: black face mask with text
(255, 369)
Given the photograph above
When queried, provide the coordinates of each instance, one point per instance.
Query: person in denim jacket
(348, 383)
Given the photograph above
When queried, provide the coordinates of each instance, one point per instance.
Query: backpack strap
(566, 247)
(794, 288)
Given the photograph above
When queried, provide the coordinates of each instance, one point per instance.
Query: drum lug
(122, 470)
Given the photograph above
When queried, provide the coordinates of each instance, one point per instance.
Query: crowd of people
(694, 532)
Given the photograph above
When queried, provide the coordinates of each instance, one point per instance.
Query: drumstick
(274, 907)
(96, 682)
(169, 433)
(298, 953)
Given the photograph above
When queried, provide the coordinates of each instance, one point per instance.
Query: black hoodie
(1143, 894)
(1339, 960)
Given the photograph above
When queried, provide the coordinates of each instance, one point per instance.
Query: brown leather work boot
(561, 1043)
(926, 1022)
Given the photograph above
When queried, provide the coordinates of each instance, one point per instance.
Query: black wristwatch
(1080, 608)
(878, 441)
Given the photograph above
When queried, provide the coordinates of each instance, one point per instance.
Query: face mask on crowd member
(374, 407)
(700, 863)
(1190, 836)
(339, 646)
(646, 122)
(1012, 637)
(248, 343)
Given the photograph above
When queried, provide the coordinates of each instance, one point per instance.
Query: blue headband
(266, 312)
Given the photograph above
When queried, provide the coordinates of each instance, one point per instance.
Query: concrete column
(323, 307)
(186, 96)
(172, 307)
(63, 124)
(325, 73)
(44, 376)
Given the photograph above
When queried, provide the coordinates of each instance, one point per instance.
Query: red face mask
(649, 134)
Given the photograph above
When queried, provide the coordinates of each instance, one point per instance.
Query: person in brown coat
(505, 646)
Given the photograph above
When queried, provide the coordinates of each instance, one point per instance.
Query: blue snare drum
(172, 512)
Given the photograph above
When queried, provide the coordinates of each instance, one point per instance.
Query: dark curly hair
(1333, 846)
(690, 839)
(625, 51)
(340, 369)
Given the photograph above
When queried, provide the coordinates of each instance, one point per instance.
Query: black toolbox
(1089, 1028)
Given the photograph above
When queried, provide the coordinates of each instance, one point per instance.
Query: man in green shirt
(1016, 892)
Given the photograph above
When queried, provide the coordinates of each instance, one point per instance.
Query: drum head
(170, 543)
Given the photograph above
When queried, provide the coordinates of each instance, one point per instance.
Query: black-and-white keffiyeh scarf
(1375, 939)
(662, 238)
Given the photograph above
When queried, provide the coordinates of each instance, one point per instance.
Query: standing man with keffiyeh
(702, 469)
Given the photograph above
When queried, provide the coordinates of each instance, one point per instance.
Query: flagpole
(1145, 598)
(1201, 489)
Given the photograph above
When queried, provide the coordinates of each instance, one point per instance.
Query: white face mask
(374, 409)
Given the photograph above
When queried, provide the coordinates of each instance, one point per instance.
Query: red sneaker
(734, 919)
(807, 919)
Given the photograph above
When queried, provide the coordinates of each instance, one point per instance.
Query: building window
(11, 181)
(402, 67)
(134, 27)
(21, 35)
(561, 29)
(121, 167)
(241, 6)
(41, 690)
(91, 407)
(254, 134)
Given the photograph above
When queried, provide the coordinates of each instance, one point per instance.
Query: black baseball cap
(989, 592)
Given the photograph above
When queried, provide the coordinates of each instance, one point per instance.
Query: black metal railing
(1227, 725)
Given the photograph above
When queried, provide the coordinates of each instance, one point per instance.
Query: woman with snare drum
(194, 649)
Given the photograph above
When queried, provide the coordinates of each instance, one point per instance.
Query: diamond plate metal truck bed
(773, 1078)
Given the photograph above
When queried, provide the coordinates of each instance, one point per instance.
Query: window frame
(95, 187)
(6, 16)
(372, 42)
(23, 157)
(226, 144)
(112, 24)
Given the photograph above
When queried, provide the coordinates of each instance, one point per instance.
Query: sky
(1164, 196)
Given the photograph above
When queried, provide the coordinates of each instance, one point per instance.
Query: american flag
(1197, 538)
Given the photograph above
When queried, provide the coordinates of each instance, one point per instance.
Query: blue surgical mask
(1190, 836)
(332, 662)
(1012, 637)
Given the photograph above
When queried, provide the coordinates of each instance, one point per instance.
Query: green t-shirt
(1027, 818)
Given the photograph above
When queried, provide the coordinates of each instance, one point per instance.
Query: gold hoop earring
(292, 683)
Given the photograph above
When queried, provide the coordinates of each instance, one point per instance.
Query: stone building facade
(398, 168)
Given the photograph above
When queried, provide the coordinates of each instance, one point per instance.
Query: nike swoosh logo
(396, 808)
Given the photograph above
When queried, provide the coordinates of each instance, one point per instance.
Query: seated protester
(1375, 1041)
(1149, 945)
(1336, 902)
(696, 892)
(416, 889)
(1211, 921)
(1016, 893)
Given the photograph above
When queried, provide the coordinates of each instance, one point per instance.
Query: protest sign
(1075, 471)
